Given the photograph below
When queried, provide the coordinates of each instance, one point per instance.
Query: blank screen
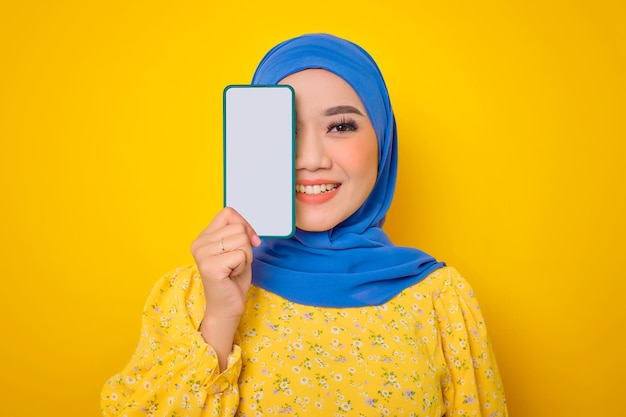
(259, 156)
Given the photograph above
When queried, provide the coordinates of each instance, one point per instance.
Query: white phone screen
(259, 149)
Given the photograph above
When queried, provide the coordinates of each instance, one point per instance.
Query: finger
(211, 249)
(232, 229)
(241, 266)
(228, 216)
(208, 236)
(228, 238)
(207, 249)
(234, 242)
(229, 265)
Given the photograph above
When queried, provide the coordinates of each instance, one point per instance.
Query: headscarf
(355, 263)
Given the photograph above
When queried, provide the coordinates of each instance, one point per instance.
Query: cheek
(363, 160)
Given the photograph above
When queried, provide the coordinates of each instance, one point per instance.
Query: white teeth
(315, 189)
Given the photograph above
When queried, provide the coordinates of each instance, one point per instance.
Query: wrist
(219, 333)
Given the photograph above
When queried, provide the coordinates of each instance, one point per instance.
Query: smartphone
(259, 153)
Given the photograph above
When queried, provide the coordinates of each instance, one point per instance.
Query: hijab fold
(354, 264)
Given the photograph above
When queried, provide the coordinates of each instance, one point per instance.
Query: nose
(311, 152)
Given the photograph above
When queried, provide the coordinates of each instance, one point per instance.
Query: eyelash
(348, 125)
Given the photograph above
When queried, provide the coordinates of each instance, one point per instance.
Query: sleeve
(173, 372)
(472, 386)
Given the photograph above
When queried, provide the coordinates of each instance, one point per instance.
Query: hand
(223, 254)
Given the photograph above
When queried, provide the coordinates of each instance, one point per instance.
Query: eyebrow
(342, 110)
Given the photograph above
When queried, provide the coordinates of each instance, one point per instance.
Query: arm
(188, 330)
(173, 371)
(473, 385)
(223, 253)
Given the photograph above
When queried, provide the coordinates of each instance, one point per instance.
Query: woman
(334, 321)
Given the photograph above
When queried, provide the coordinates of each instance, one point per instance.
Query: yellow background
(511, 123)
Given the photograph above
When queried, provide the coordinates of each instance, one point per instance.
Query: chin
(318, 219)
(311, 228)
(316, 225)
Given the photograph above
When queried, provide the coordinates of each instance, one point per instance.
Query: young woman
(334, 321)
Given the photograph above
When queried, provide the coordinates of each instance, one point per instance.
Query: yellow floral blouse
(423, 353)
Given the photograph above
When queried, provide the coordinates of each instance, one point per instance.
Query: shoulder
(182, 281)
(181, 278)
(178, 290)
(442, 282)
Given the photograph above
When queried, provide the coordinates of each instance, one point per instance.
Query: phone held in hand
(259, 155)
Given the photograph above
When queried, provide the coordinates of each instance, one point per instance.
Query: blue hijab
(354, 264)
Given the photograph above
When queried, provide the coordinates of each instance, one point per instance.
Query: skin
(226, 277)
(335, 145)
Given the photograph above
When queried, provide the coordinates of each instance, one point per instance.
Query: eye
(343, 125)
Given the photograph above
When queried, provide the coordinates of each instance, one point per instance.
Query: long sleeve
(173, 372)
(473, 386)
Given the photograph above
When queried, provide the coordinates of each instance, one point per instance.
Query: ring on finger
(221, 243)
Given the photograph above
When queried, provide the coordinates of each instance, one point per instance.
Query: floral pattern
(424, 353)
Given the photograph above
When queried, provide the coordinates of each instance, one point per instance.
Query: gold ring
(221, 243)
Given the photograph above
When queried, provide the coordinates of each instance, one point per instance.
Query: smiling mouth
(316, 189)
